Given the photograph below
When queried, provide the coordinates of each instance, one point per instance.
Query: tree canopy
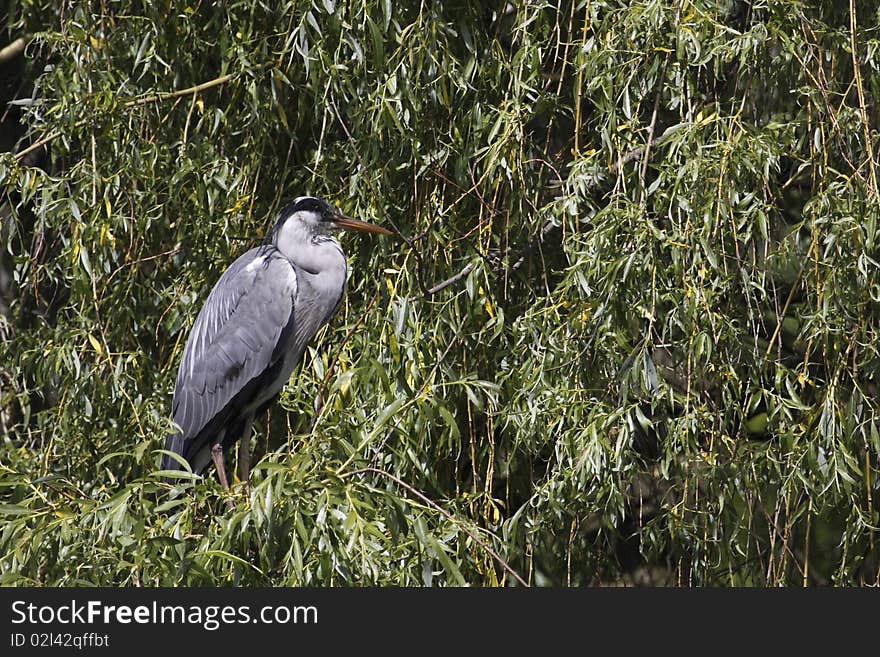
(627, 332)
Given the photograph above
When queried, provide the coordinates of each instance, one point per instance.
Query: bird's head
(314, 216)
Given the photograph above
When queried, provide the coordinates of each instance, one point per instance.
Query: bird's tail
(173, 443)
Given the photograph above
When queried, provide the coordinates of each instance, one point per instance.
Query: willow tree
(628, 332)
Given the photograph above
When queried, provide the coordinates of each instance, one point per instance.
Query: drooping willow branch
(431, 503)
(519, 256)
(140, 100)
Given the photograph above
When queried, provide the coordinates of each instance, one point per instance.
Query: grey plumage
(254, 328)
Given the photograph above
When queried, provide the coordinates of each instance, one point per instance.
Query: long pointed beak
(348, 223)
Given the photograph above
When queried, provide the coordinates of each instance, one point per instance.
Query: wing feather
(232, 341)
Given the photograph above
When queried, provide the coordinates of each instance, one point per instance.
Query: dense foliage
(628, 332)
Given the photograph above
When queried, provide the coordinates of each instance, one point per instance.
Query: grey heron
(253, 330)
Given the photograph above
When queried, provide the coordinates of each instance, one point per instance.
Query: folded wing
(232, 341)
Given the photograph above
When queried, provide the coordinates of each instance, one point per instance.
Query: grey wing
(233, 338)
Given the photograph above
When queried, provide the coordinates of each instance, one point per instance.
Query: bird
(251, 333)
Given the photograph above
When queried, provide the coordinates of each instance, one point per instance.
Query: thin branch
(165, 95)
(781, 316)
(431, 503)
(821, 82)
(52, 136)
(472, 191)
(643, 171)
(863, 113)
(353, 144)
(626, 158)
(133, 263)
(452, 280)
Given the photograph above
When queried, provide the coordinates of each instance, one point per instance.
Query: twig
(821, 82)
(788, 301)
(452, 280)
(37, 144)
(353, 144)
(446, 515)
(857, 73)
(626, 158)
(165, 95)
(466, 192)
(139, 261)
(643, 171)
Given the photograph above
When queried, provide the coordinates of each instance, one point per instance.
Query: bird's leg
(217, 457)
(244, 460)
(244, 451)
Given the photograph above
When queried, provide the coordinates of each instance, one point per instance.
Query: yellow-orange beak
(348, 223)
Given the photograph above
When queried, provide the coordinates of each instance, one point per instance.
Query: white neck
(308, 250)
